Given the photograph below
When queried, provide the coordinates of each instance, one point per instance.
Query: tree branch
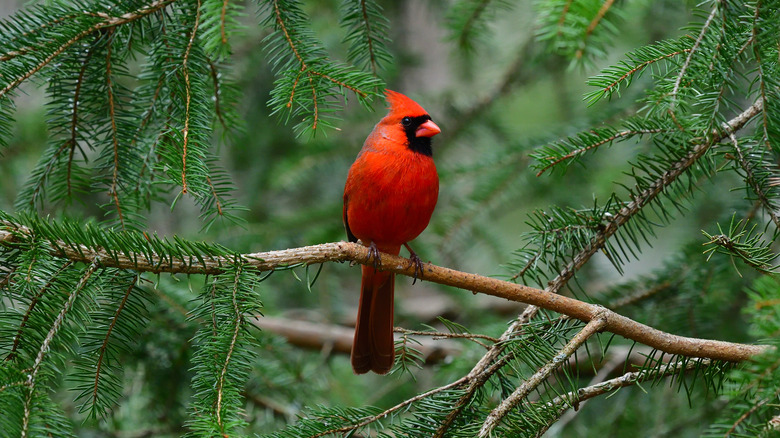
(540, 376)
(346, 251)
(574, 398)
(643, 198)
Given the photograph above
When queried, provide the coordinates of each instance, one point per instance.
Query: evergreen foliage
(143, 98)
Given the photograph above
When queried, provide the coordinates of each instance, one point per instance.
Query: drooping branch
(346, 251)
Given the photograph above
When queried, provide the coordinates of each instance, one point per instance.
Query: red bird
(389, 198)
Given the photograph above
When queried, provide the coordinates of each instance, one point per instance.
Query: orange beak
(427, 129)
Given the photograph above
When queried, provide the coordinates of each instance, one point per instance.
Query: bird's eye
(406, 121)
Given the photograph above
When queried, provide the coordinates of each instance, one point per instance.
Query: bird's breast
(391, 196)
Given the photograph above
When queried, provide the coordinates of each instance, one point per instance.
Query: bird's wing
(351, 237)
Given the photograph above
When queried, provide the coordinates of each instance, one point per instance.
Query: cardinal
(389, 197)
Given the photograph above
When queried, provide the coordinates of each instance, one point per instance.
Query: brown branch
(695, 46)
(188, 91)
(228, 356)
(641, 66)
(214, 193)
(751, 411)
(750, 177)
(74, 117)
(217, 105)
(222, 21)
(643, 198)
(114, 190)
(338, 338)
(562, 18)
(347, 251)
(594, 24)
(339, 83)
(369, 40)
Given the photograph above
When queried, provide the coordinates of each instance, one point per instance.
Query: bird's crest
(402, 105)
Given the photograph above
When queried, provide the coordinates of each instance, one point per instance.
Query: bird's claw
(373, 252)
(418, 267)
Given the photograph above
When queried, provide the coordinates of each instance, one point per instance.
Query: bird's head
(408, 118)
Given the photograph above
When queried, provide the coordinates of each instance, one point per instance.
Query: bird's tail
(373, 348)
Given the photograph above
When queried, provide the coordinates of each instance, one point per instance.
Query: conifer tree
(108, 327)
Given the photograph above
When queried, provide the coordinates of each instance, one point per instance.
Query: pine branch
(483, 370)
(594, 325)
(188, 99)
(575, 398)
(55, 328)
(645, 197)
(704, 28)
(593, 25)
(754, 182)
(108, 22)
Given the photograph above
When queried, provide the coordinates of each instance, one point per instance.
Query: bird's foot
(417, 263)
(373, 253)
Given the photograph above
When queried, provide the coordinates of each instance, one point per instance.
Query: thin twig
(641, 66)
(239, 320)
(573, 399)
(387, 412)
(509, 403)
(114, 190)
(74, 116)
(33, 303)
(579, 151)
(484, 369)
(369, 40)
(104, 346)
(594, 24)
(188, 91)
(442, 335)
(695, 46)
(55, 328)
(750, 177)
